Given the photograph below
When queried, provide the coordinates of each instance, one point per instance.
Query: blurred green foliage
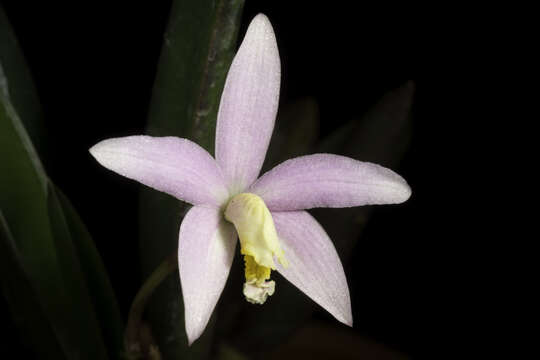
(22, 90)
(52, 276)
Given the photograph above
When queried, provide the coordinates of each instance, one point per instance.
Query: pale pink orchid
(229, 202)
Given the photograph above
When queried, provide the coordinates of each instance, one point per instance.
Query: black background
(94, 66)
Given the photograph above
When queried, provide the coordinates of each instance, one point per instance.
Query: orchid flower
(267, 214)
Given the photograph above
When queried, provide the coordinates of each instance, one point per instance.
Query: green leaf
(23, 193)
(28, 314)
(198, 48)
(23, 185)
(26, 203)
(97, 281)
(14, 74)
(84, 329)
(24, 200)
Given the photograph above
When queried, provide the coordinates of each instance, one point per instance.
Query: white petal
(173, 165)
(205, 254)
(327, 180)
(248, 107)
(314, 265)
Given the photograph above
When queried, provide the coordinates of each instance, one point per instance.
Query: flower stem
(132, 337)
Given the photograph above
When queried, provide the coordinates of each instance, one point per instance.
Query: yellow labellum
(259, 244)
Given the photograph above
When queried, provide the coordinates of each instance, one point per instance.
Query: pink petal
(248, 106)
(326, 180)
(205, 253)
(175, 166)
(314, 265)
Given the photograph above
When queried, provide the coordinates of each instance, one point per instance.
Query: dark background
(94, 66)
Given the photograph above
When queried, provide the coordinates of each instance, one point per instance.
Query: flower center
(259, 244)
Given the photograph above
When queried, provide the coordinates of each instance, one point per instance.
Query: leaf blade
(82, 333)
(16, 77)
(23, 197)
(97, 281)
(28, 313)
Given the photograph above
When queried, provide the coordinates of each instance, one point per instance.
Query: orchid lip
(259, 243)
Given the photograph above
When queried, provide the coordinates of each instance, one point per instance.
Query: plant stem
(132, 335)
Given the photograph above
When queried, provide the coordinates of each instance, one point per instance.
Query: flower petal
(205, 253)
(326, 180)
(248, 106)
(314, 265)
(176, 166)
